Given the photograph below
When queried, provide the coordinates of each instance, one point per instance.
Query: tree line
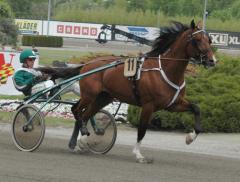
(222, 14)
(8, 30)
(216, 8)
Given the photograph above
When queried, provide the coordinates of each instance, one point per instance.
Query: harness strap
(199, 31)
(175, 86)
(136, 91)
(136, 78)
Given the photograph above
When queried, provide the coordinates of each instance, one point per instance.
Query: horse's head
(199, 47)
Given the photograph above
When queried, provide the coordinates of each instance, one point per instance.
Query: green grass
(48, 56)
(12, 97)
(138, 18)
(68, 96)
(6, 117)
(53, 121)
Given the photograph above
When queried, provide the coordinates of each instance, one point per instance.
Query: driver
(29, 81)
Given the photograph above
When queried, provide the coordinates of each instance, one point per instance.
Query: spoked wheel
(28, 137)
(103, 132)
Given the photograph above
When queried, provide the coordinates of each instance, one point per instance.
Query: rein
(173, 59)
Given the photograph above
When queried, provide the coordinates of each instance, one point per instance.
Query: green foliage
(223, 15)
(5, 10)
(216, 91)
(8, 30)
(235, 9)
(42, 41)
(133, 12)
(30, 9)
(133, 115)
(153, 13)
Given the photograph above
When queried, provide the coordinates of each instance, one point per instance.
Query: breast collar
(169, 82)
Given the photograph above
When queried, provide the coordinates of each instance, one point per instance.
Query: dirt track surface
(53, 162)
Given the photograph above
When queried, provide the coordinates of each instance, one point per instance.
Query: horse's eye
(210, 41)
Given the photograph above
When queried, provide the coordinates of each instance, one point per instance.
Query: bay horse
(160, 86)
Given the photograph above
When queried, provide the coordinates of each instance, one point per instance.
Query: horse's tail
(56, 72)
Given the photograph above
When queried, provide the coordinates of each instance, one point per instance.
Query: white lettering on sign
(85, 30)
(93, 31)
(77, 30)
(219, 39)
(60, 29)
(234, 40)
(68, 29)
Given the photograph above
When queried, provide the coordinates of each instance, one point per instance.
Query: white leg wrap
(191, 137)
(82, 142)
(136, 151)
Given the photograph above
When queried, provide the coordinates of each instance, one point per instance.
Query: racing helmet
(27, 53)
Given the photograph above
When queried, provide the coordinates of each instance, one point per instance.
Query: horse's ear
(200, 25)
(193, 24)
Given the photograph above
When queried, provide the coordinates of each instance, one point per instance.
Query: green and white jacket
(25, 78)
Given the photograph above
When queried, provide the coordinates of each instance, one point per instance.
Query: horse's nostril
(212, 62)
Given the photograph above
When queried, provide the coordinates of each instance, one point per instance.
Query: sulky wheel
(103, 132)
(28, 128)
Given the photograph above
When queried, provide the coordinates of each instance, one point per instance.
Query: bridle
(199, 59)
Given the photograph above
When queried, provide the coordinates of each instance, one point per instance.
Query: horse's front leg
(185, 105)
(146, 113)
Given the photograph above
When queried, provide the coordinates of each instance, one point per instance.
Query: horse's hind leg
(77, 110)
(146, 113)
(82, 111)
(101, 100)
(184, 105)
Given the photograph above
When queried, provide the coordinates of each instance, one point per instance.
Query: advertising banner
(220, 39)
(9, 63)
(225, 39)
(149, 33)
(74, 30)
(29, 27)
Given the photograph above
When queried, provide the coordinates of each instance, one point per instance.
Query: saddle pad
(130, 67)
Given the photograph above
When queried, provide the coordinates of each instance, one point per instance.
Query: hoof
(144, 161)
(190, 138)
(82, 143)
(78, 150)
(72, 144)
(74, 150)
(84, 131)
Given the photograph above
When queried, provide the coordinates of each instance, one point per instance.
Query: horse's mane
(167, 36)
